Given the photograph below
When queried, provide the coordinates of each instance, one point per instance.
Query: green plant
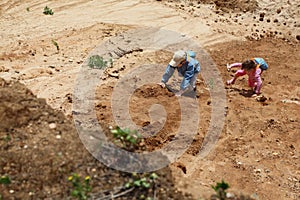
(142, 181)
(211, 83)
(81, 188)
(5, 180)
(220, 189)
(48, 11)
(6, 138)
(129, 139)
(98, 62)
(55, 44)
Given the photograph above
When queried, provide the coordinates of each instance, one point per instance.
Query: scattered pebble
(257, 171)
(58, 136)
(52, 125)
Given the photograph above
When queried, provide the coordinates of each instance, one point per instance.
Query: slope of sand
(262, 159)
(75, 27)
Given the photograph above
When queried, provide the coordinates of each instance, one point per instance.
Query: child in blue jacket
(188, 68)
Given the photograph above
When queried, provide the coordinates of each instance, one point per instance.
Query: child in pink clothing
(253, 68)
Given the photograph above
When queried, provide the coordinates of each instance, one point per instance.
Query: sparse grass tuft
(48, 11)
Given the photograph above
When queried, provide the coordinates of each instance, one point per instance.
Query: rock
(258, 171)
(112, 74)
(2, 68)
(58, 136)
(52, 125)
(278, 11)
(261, 98)
(230, 195)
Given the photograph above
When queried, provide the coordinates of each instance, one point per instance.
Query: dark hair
(248, 65)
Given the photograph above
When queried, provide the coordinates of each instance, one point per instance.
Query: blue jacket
(187, 70)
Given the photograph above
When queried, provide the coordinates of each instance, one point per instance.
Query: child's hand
(163, 85)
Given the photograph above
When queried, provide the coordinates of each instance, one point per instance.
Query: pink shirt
(254, 79)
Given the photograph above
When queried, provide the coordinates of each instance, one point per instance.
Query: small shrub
(48, 11)
(220, 189)
(129, 139)
(6, 138)
(143, 184)
(5, 180)
(97, 61)
(80, 188)
(142, 181)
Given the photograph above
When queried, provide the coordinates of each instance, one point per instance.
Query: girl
(253, 68)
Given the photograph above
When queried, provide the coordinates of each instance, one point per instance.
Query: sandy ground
(256, 156)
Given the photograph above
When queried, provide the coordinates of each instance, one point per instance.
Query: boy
(187, 66)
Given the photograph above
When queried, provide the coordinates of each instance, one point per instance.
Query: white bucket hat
(178, 57)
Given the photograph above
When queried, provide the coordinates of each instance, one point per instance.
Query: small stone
(278, 10)
(52, 125)
(257, 171)
(295, 180)
(58, 136)
(11, 191)
(229, 195)
(116, 75)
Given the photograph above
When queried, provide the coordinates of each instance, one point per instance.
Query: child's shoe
(229, 82)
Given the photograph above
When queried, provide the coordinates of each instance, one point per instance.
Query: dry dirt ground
(257, 152)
